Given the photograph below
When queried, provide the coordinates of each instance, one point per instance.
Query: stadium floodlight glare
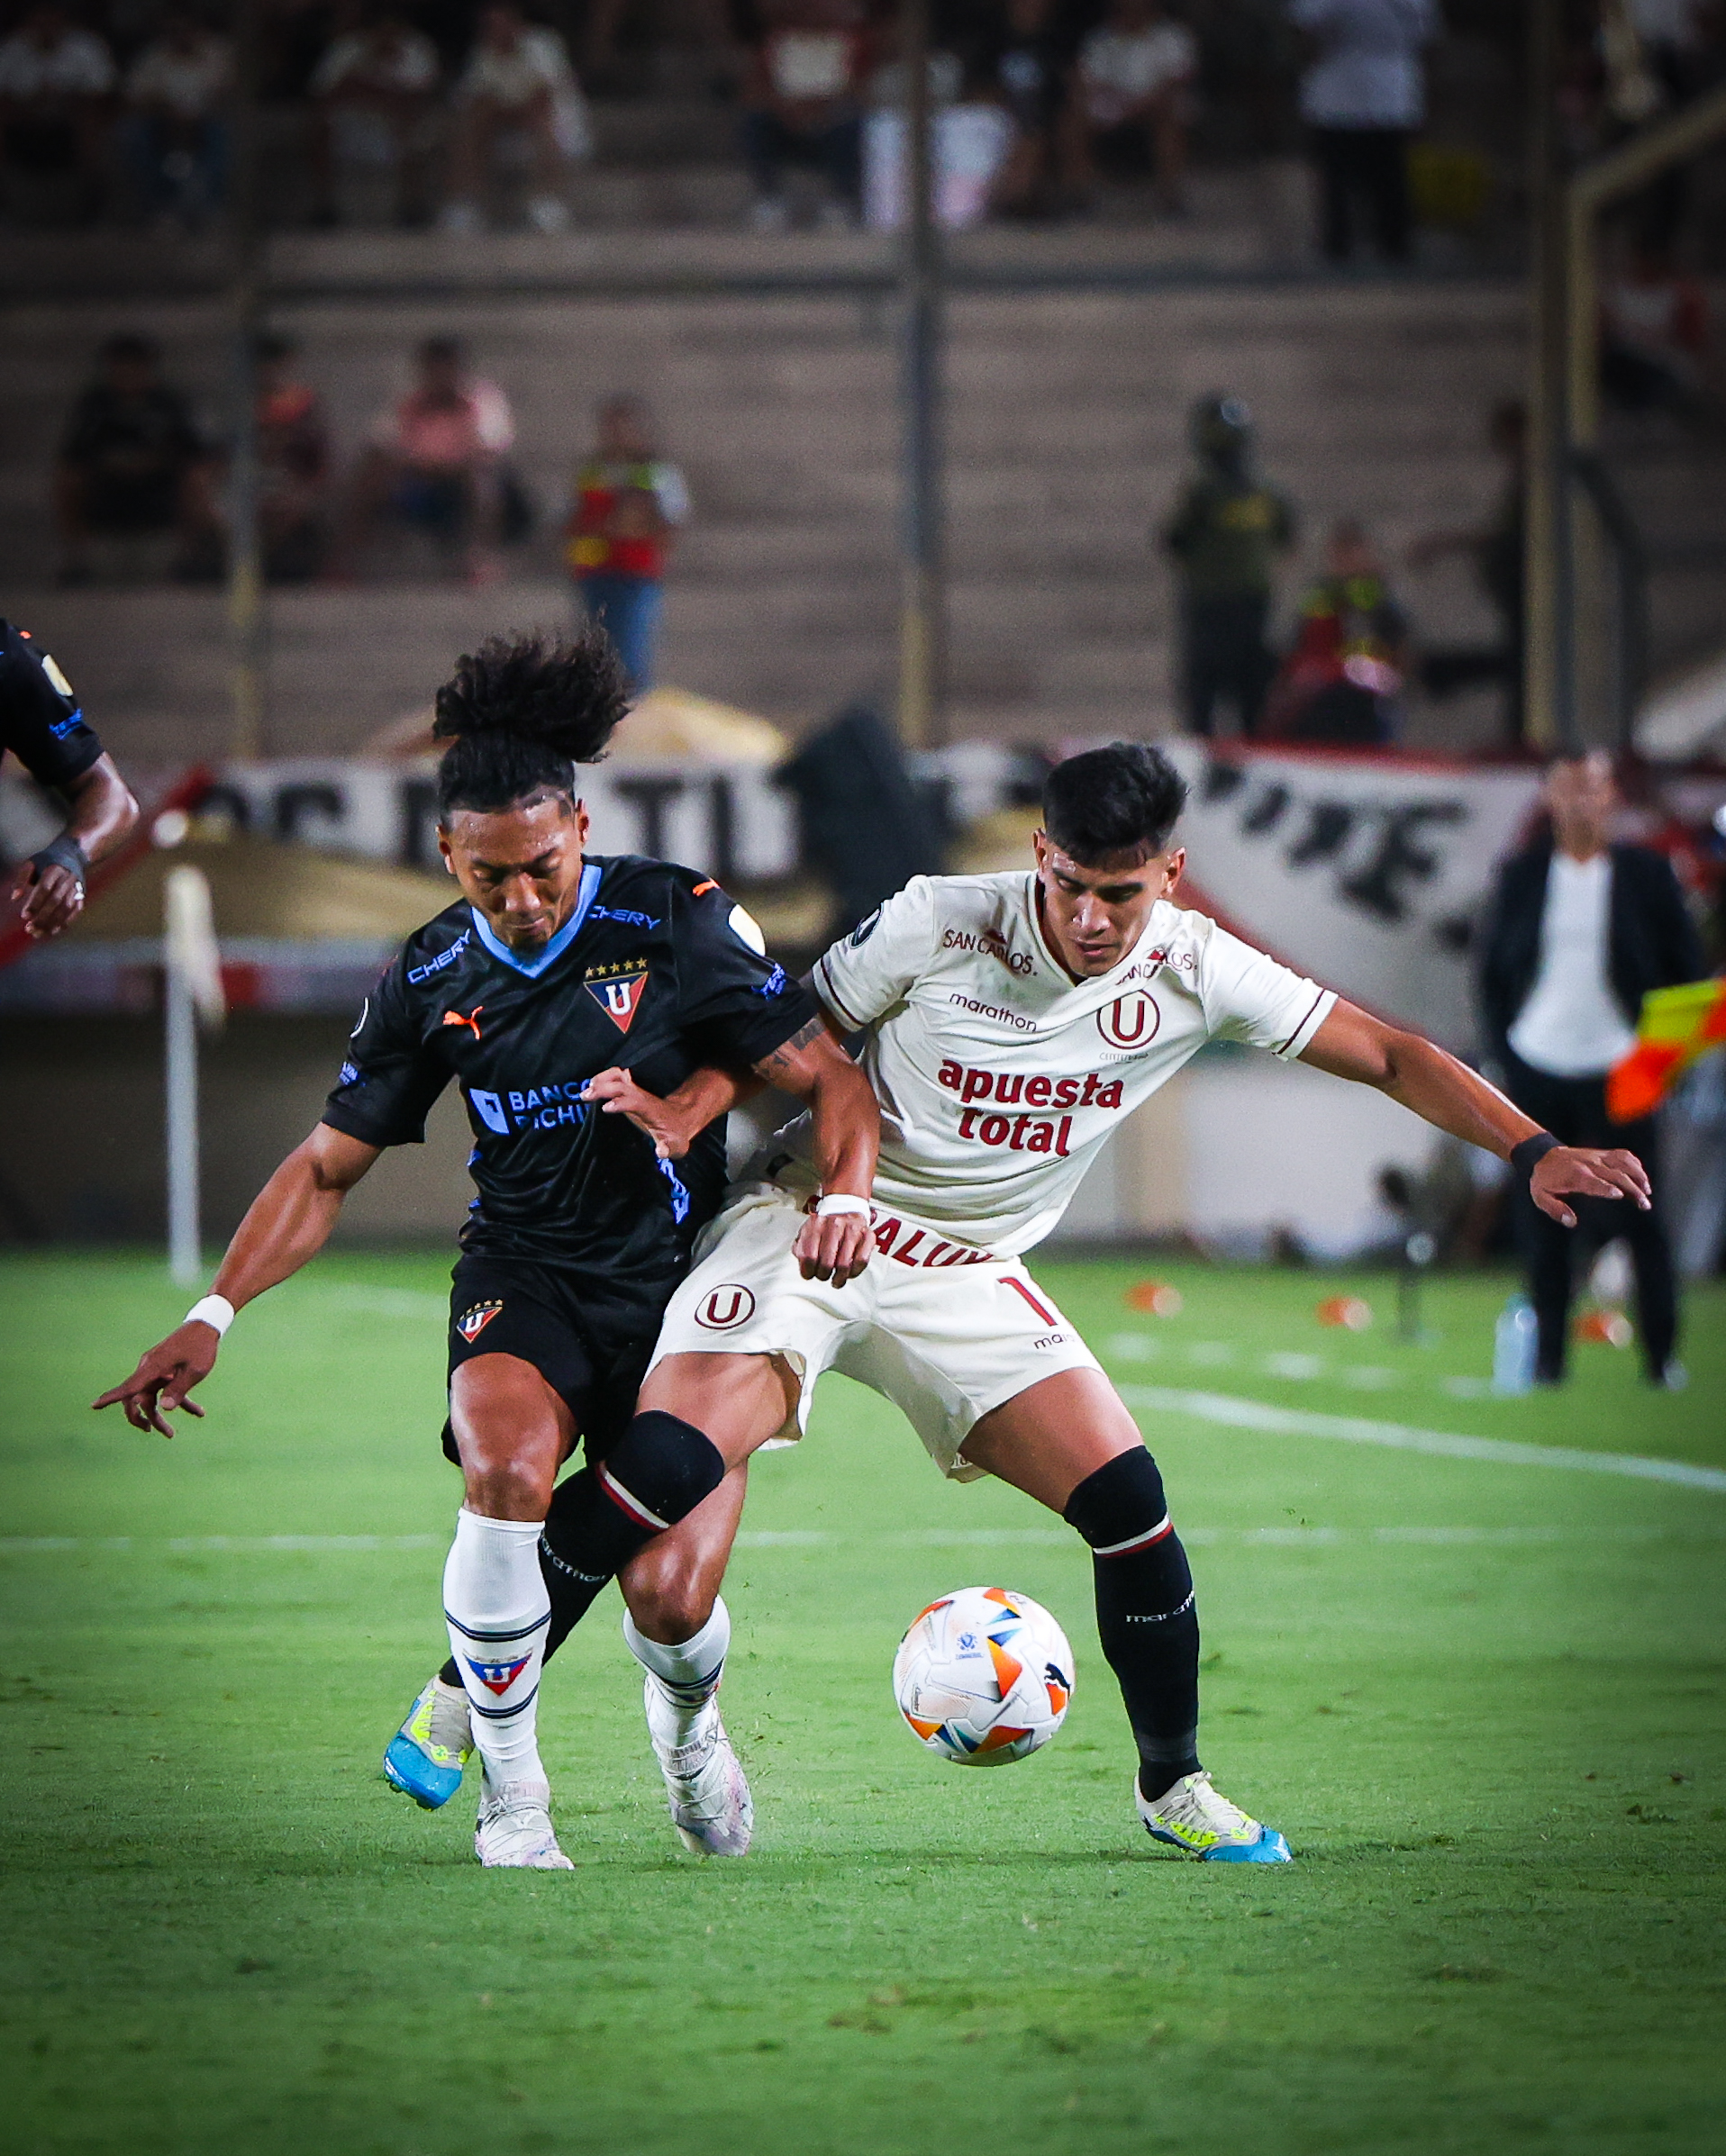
(192, 965)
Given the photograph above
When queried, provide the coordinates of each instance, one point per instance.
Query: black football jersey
(657, 971)
(40, 720)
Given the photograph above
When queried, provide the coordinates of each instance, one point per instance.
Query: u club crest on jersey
(617, 989)
(472, 1323)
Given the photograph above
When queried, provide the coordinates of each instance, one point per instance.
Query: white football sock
(686, 1675)
(498, 1609)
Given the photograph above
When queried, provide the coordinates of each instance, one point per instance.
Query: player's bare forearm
(103, 810)
(675, 1122)
(291, 1218)
(288, 1223)
(49, 891)
(847, 1139)
(1446, 1094)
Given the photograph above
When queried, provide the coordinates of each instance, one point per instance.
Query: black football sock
(660, 1470)
(1145, 1613)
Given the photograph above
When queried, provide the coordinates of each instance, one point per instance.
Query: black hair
(519, 713)
(1124, 798)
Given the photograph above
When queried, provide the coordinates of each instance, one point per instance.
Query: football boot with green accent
(426, 1757)
(1194, 1819)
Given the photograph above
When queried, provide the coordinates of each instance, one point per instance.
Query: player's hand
(163, 1377)
(618, 1094)
(1586, 1171)
(48, 899)
(834, 1246)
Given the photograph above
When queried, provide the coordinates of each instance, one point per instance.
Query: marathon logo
(1013, 1089)
(536, 1107)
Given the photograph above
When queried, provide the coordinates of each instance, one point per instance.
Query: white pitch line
(1237, 1414)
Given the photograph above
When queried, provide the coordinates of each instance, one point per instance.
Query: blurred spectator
(802, 106)
(374, 90)
(1343, 682)
(517, 102)
(132, 465)
(866, 827)
(1131, 102)
(1580, 929)
(1363, 97)
(1654, 336)
(56, 85)
(1225, 535)
(970, 137)
(1677, 36)
(628, 507)
(1497, 547)
(1025, 72)
(175, 134)
(436, 462)
(294, 466)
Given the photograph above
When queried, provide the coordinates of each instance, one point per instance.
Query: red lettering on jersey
(885, 1233)
(1003, 1082)
(903, 1254)
(978, 1085)
(1067, 1091)
(1062, 1134)
(949, 1076)
(1089, 1093)
(968, 1118)
(1042, 1137)
(993, 1130)
(1019, 1133)
(1110, 1096)
(1037, 1093)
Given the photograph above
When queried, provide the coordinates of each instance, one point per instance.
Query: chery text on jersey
(651, 972)
(998, 1074)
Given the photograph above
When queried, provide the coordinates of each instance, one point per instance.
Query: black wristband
(64, 852)
(1527, 1156)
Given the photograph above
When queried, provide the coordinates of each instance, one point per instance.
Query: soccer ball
(984, 1676)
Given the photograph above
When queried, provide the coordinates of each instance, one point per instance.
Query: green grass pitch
(1482, 1697)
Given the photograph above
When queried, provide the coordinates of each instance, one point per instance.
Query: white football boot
(704, 1783)
(515, 1828)
(1193, 1819)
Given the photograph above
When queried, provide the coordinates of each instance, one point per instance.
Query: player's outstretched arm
(1451, 1097)
(675, 1123)
(832, 1245)
(49, 888)
(288, 1223)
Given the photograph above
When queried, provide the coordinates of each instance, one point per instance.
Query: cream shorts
(944, 1343)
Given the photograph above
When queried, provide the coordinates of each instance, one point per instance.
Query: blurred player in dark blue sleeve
(42, 726)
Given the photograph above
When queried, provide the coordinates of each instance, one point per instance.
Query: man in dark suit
(1580, 930)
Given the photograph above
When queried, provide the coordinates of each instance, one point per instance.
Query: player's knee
(660, 1470)
(507, 1487)
(669, 1602)
(1120, 1509)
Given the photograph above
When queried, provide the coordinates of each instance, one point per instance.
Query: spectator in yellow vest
(628, 505)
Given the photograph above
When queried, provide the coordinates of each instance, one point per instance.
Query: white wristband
(214, 1309)
(841, 1201)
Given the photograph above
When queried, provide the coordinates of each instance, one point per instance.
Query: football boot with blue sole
(425, 1758)
(1194, 1819)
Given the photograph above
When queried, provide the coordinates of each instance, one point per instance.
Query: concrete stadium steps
(1066, 424)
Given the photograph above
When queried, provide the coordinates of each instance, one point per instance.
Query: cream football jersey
(998, 1075)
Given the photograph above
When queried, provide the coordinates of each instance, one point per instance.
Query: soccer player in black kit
(43, 726)
(551, 969)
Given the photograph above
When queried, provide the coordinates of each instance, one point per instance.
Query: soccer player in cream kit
(1009, 1023)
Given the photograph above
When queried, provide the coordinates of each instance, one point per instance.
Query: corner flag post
(193, 969)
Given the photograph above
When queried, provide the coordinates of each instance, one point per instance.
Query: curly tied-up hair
(519, 713)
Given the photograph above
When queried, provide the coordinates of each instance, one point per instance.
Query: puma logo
(454, 1018)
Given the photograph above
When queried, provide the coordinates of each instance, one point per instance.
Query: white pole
(184, 1252)
(193, 969)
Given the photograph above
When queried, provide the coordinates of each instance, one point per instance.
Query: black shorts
(515, 1307)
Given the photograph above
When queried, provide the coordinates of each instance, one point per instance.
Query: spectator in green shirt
(1225, 535)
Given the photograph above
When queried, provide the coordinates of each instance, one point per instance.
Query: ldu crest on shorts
(617, 989)
(472, 1323)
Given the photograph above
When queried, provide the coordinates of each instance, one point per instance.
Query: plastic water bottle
(1515, 1342)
